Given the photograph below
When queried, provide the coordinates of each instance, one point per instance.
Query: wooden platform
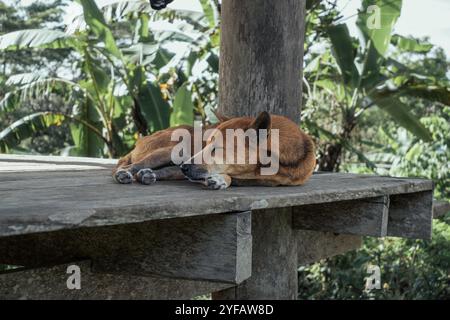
(54, 211)
(54, 196)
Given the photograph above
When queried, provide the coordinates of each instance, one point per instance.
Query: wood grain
(366, 217)
(216, 248)
(50, 284)
(45, 201)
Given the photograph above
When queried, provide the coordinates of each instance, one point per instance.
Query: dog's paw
(123, 177)
(146, 176)
(216, 182)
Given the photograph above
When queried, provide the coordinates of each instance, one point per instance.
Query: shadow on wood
(216, 248)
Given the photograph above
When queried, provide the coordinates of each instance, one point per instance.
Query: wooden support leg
(274, 259)
(51, 284)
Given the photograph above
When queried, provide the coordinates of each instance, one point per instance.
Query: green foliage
(33, 38)
(380, 35)
(119, 94)
(24, 127)
(153, 107)
(183, 108)
(379, 104)
(400, 111)
(344, 51)
(360, 76)
(410, 269)
(429, 160)
(411, 44)
(95, 20)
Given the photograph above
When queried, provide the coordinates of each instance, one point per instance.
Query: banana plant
(367, 77)
(121, 80)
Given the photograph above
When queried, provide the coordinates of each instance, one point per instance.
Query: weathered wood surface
(410, 215)
(274, 264)
(25, 163)
(42, 201)
(440, 208)
(217, 248)
(367, 217)
(261, 57)
(57, 160)
(51, 284)
(80, 203)
(313, 246)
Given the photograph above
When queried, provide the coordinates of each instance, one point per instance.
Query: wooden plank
(367, 217)
(314, 246)
(32, 163)
(19, 158)
(410, 215)
(440, 208)
(214, 248)
(50, 201)
(274, 262)
(32, 167)
(51, 284)
(77, 178)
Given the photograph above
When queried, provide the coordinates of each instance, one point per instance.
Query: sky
(419, 18)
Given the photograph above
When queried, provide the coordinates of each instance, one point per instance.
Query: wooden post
(261, 57)
(261, 70)
(274, 259)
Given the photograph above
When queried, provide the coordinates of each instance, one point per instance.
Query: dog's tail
(221, 117)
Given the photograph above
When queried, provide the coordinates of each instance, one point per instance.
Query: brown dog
(293, 152)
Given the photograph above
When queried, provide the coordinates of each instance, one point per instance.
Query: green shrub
(410, 269)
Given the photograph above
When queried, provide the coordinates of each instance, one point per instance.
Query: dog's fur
(150, 161)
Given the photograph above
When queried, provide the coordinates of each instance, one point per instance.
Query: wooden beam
(314, 246)
(51, 284)
(274, 262)
(214, 248)
(365, 217)
(410, 215)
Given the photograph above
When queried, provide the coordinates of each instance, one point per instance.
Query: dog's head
(232, 148)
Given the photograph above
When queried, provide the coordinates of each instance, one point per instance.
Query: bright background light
(419, 18)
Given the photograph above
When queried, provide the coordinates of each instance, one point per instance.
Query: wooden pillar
(261, 70)
(261, 57)
(274, 259)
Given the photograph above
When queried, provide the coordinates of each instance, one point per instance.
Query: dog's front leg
(218, 181)
(156, 159)
(149, 176)
(123, 175)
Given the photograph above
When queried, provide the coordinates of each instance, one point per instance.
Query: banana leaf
(26, 127)
(96, 22)
(183, 108)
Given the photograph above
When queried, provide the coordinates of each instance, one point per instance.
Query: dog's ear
(220, 116)
(263, 121)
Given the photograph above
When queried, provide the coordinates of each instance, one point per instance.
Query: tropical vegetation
(378, 103)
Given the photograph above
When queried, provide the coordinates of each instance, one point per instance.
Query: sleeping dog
(274, 152)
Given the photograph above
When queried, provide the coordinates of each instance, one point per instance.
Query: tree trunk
(330, 159)
(139, 121)
(261, 57)
(261, 70)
